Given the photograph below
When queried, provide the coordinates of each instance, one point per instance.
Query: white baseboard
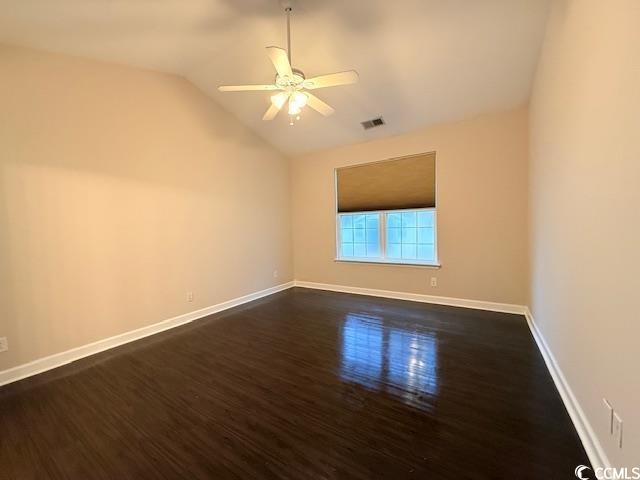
(590, 441)
(58, 359)
(418, 297)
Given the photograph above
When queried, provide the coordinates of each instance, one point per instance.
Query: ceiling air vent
(375, 122)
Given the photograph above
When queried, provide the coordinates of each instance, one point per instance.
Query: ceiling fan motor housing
(297, 80)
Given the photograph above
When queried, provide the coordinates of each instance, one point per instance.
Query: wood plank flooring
(303, 384)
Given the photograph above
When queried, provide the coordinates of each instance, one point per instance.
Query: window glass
(409, 236)
(360, 235)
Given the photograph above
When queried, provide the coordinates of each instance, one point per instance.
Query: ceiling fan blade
(331, 80)
(318, 105)
(271, 112)
(246, 88)
(280, 60)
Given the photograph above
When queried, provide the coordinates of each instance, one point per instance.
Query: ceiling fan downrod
(288, 10)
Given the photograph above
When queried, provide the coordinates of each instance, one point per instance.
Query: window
(392, 236)
(386, 211)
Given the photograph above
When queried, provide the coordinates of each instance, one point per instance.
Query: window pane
(360, 235)
(425, 235)
(373, 250)
(394, 250)
(409, 251)
(393, 235)
(408, 235)
(359, 221)
(425, 219)
(346, 235)
(408, 219)
(346, 221)
(394, 220)
(372, 235)
(426, 253)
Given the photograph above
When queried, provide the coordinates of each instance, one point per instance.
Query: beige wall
(120, 191)
(585, 214)
(482, 208)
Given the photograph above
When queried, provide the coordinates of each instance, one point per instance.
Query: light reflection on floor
(382, 357)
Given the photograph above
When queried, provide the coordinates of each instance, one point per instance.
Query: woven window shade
(408, 182)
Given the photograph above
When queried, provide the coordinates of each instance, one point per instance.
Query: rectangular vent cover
(375, 122)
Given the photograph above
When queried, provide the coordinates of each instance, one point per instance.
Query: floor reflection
(383, 357)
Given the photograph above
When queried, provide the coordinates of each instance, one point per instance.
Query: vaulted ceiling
(421, 62)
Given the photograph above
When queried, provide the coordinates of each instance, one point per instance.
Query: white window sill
(387, 262)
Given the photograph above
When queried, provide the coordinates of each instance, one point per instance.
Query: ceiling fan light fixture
(297, 101)
(294, 110)
(300, 99)
(279, 99)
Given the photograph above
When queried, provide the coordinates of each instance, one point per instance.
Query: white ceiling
(421, 62)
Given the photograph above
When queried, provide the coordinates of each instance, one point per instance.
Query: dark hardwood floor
(303, 384)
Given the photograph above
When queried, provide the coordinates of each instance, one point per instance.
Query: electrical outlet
(275, 274)
(609, 415)
(434, 281)
(189, 296)
(4, 344)
(617, 429)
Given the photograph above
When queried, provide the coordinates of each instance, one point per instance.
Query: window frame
(382, 233)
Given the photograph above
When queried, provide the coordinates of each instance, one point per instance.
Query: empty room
(300, 239)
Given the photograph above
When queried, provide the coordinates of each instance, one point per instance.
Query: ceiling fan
(292, 84)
